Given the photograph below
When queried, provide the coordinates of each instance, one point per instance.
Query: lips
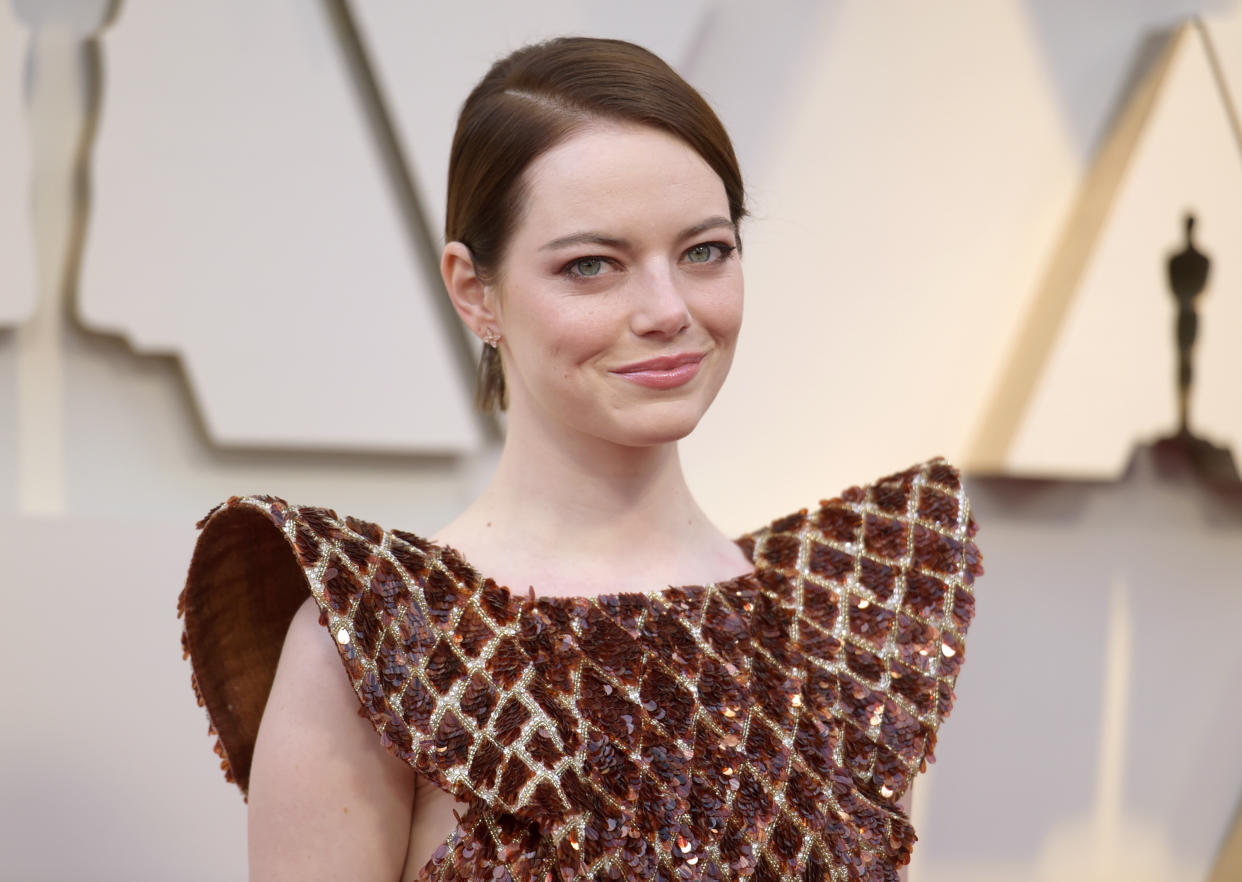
(666, 372)
(663, 363)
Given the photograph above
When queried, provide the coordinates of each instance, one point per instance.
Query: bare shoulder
(327, 800)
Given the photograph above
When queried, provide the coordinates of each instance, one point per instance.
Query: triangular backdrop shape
(244, 221)
(1094, 369)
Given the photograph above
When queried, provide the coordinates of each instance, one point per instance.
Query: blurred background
(219, 226)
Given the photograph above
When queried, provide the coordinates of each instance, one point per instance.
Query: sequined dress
(764, 727)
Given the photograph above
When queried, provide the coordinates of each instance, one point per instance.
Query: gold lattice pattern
(760, 727)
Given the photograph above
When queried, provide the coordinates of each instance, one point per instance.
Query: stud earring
(491, 338)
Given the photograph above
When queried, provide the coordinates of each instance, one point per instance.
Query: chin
(658, 423)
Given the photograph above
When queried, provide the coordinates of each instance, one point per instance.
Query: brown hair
(532, 100)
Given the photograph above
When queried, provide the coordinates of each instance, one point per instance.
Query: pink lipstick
(666, 372)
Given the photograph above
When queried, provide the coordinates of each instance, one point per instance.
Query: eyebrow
(593, 238)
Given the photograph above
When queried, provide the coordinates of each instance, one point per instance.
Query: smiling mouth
(663, 373)
(663, 363)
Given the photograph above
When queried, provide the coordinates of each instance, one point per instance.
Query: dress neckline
(745, 542)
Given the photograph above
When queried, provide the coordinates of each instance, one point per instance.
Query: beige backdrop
(915, 172)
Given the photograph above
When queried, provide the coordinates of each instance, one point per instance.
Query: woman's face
(624, 254)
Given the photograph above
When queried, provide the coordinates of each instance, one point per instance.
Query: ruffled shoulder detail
(764, 725)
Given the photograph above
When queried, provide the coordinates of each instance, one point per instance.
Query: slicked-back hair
(534, 99)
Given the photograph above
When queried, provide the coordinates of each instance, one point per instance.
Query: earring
(491, 338)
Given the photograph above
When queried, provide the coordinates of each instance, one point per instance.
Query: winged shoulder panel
(766, 725)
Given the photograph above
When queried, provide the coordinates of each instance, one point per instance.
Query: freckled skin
(624, 251)
(646, 267)
(564, 334)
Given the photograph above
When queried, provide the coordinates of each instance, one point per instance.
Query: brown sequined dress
(762, 727)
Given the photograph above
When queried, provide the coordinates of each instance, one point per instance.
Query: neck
(555, 488)
(577, 515)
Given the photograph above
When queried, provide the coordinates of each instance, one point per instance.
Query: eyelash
(724, 249)
(568, 270)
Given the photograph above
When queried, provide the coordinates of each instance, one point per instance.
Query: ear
(472, 299)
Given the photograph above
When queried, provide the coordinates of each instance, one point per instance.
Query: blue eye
(587, 266)
(709, 252)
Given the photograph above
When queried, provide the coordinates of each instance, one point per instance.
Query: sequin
(760, 727)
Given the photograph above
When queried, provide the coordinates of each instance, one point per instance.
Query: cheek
(566, 338)
(720, 312)
(577, 334)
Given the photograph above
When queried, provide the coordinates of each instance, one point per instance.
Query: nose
(660, 306)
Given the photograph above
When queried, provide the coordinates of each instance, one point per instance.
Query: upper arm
(326, 799)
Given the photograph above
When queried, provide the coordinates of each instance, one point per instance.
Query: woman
(765, 719)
